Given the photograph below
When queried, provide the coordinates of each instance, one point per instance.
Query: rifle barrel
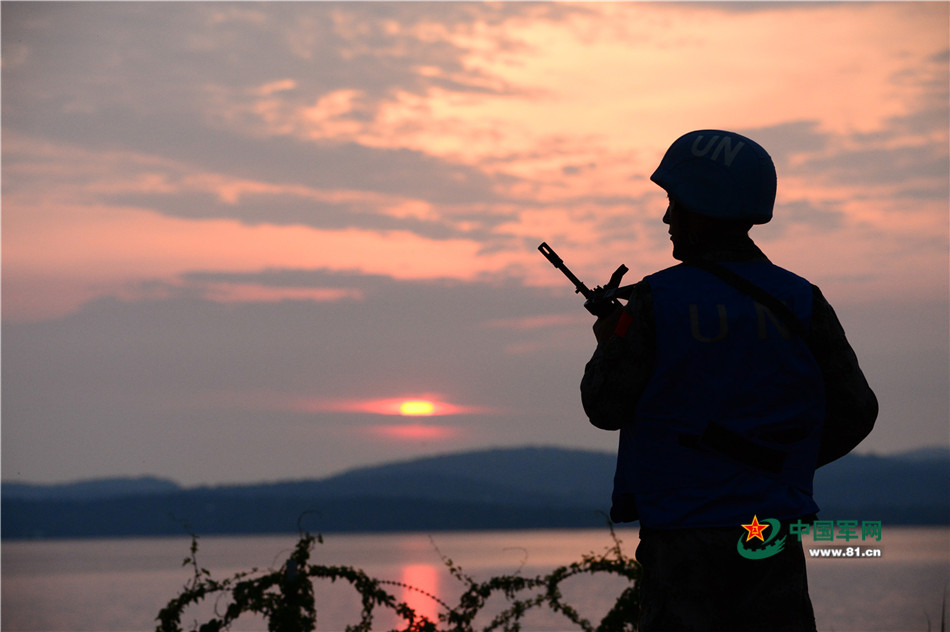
(558, 263)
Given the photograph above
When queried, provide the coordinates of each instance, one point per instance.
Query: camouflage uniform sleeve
(621, 366)
(851, 406)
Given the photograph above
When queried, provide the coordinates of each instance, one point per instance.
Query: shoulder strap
(745, 286)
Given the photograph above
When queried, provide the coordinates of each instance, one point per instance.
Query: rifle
(602, 300)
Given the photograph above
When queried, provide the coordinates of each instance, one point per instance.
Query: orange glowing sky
(324, 210)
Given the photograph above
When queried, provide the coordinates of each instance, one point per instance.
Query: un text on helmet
(723, 148)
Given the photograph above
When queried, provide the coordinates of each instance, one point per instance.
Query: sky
(238, 237)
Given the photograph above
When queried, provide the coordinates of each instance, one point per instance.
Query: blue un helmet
(719, 174)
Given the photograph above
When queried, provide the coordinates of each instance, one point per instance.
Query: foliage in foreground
(285, 597)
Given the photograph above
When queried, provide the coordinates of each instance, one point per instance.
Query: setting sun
(416, 407)
(412, 405)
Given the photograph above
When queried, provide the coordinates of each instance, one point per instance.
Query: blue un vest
(730, 423)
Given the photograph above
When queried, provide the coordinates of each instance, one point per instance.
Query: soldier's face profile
(674, 219)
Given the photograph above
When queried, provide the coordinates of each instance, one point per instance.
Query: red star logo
(755, 529)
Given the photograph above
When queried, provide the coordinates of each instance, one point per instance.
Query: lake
(121, 584)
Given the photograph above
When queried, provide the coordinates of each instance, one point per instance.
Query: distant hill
(913, 488)
(490, 489)
(95, 489)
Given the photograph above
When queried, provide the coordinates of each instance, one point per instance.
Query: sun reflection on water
(420, 590)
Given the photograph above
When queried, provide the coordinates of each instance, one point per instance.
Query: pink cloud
(413, 432)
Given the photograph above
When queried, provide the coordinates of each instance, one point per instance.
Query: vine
(285, 597)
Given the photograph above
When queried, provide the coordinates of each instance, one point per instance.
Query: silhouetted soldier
(731, 381)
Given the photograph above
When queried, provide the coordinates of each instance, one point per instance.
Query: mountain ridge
(526, 487)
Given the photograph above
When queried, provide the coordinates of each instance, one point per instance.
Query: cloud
(787, 140)
(324, 210)
(414, 432)
(212, 210)
(281, 160)
(180, 374)
(193, 95)
(881, 166)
